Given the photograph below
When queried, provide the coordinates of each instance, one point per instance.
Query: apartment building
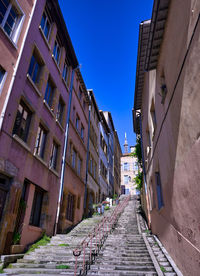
(129, 170)
(93, 187)
(34, 118)
(117, 165)
(15, 19)
(166, 116)
(103, 156)
(74, 180)
(110, 123)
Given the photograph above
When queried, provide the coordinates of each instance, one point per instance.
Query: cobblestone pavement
(128, 250)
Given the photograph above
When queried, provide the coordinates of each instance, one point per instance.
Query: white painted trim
(16, 67)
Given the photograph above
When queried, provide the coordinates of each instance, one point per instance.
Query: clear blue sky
(104, 34)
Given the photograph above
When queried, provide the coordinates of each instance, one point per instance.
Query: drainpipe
(16, 65)
(87, 158)
(64, 152)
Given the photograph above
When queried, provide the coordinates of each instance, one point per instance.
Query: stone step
(120, 273)
(124, 273)
(46, 271)
(106, 267)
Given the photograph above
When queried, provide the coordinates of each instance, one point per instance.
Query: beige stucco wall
(131, 172)
(175, 146)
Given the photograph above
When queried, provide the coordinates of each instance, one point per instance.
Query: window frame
(127, 179)
(54, 156)
(159, 190)
(41, 140)
(3, 75)
(43, 29)
(56, 54)
(49, 95)
(36, 216)
(24, 136)
(16, 28)
(65, 72)
(79, 165)
(70, 207)
(60, 113)
(38, 61)
(77, 122)
(74, 158)
(82, 132)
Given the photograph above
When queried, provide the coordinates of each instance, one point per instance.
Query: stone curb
(154, 260)
(169, 258)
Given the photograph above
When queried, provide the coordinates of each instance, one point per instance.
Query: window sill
(33, 85)
(9, 38)
(35, 228)
(40, 159)
(48, 108)
(55, 61)
(54, 171)
(65, 84)
(45, 39)
(21, 142)
(60, 126)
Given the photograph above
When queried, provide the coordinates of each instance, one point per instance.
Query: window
(82, 132)
(153, 117)
(40, 141)
(80, 93)
(95, 170)
(159, 190)
(4, 188)
(2, 77)
(74, 157)
(126, 179)
(45, 25)
(91, 164)
(126, 166)
(60, 111)
(127, 192)
(56, 52)
(65, 71)
(70, 207)
(103, 170)
(78, 202)
(79, 165)
(54, 156)
(10, 17)
(77, 122)
(49, 93)
(35, 68)
(22, 121)
(36, 207)
(84, 104)
(135, 166)
(73, 114)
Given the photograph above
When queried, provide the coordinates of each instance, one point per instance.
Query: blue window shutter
(159, 191)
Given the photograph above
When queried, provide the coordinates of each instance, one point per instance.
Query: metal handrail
(93, 242)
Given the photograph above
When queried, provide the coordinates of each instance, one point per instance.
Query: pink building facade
(33, 126)
(74, 182)
(166, 116)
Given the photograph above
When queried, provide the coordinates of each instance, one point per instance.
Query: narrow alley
(128, 250)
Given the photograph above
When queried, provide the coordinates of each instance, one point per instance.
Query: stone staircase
(56, 258)
(124, 251)
(128, 250)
